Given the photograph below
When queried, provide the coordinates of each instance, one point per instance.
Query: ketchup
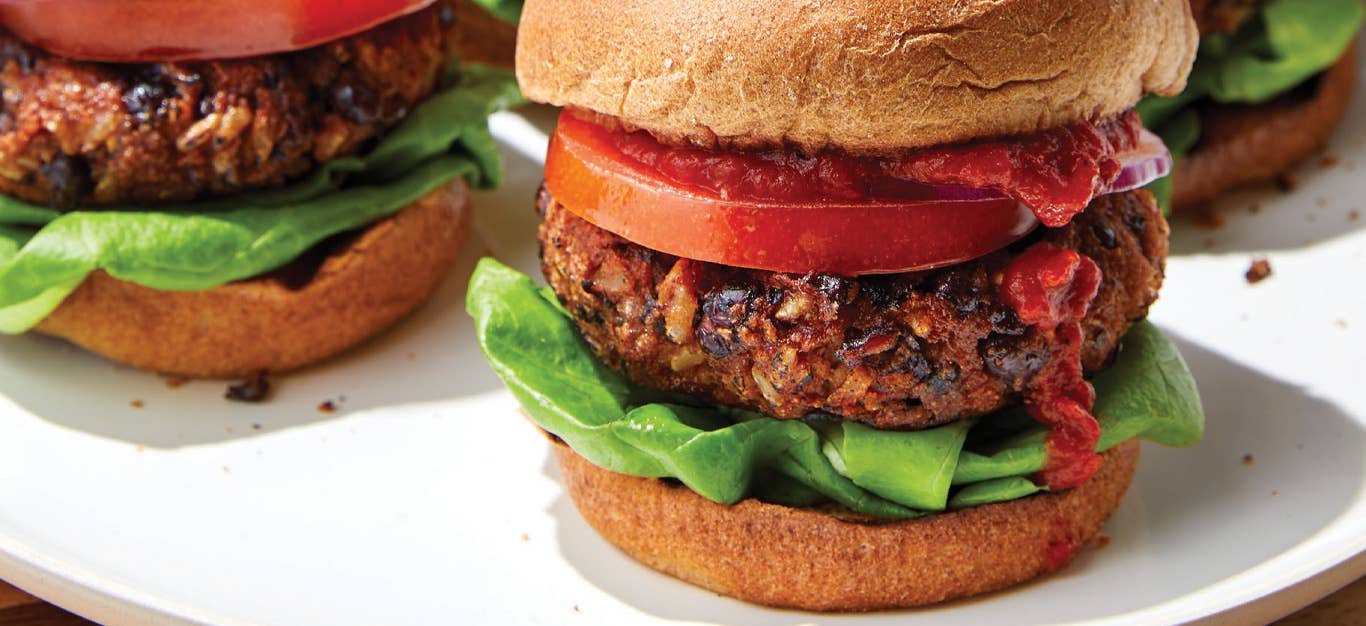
(1051, 288)
(1059, 553)
(1055, 173)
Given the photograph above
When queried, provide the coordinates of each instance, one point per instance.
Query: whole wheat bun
(795, 558)
(1248, 144)
(864, 76)
(262, 324)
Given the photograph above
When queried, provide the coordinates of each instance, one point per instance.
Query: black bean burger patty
(901, 350)
(75, 133)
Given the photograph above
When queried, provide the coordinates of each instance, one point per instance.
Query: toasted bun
(865, 76)
(481, 37)
(1242, 145)
(262, 324)
(795, 558)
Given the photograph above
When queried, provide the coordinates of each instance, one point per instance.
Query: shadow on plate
(427, 357)
(1205, 507)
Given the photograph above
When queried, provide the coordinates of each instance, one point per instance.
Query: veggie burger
(845, 299)
(1271, 81)
(219, 189)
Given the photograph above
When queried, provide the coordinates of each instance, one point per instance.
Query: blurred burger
(1271, 81)
(828, 285)
(233, 187)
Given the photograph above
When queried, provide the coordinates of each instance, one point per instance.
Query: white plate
(426, 499)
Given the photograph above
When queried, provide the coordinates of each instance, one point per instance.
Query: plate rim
(87, 593)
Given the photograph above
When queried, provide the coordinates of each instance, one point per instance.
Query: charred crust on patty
(77, 133)
(906, 350)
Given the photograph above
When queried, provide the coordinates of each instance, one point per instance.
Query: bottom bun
(271, 322)
(796, 558)
(1247, 144)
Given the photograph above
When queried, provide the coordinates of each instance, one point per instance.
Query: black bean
(20, 54)
(144, 100)
(834, 287)
(775, 294)
(905, 360)
(723, 311)
(941, 382)
(1105, 235)
(729, 306)
(1005, 360)
(884, 290)
(1004, 321)
(69, 177)
(359, 106)
(967, 293)
(1135, 220)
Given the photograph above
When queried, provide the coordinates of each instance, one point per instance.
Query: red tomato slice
(178, 30)
(591, 177)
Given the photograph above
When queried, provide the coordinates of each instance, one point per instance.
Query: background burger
(827, 282)
(1271, 81)
(217, 189)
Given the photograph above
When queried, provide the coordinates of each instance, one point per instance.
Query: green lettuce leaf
(726, 454)
(44, 255)
(926, 459)
(994, 490)
(1285, 44)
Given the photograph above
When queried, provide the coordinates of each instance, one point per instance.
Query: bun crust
(795, 558)
(867, 77)
(1243, 145)
(262, 324)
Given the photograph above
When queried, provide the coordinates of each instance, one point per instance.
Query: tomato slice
(144, 31)
(588, 174)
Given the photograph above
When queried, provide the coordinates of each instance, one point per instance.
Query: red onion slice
(1147, 162)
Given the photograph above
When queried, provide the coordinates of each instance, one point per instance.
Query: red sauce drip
(1055, 173)
(1051, 288)
(1059, 553)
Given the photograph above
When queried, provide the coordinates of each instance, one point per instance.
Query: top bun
(862, 76)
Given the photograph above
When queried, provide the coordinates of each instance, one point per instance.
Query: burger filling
(1251, 52)
(824, 344)
(190, 175)
(905, 350)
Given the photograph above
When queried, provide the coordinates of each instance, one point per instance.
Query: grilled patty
(906, 350)
(76, 133)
